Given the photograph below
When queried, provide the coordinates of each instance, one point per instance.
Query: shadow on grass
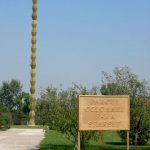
(69, 147)
(56, 147)
(94, 147)
(116, 143)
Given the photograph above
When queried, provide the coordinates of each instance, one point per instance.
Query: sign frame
(118, 97)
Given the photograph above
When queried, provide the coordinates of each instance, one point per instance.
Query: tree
(5, 118)
(68, 123)
(14, 99)
(59, 110)
(124, 82)
(9, 93)
(46, 107)
(20, 115)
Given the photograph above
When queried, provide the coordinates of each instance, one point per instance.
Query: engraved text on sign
(104, 113)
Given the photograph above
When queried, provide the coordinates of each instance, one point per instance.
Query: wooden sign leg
(78, 140)
(128, 144)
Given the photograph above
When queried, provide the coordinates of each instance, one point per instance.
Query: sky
(76, 40)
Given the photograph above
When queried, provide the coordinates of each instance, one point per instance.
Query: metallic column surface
(33, 65)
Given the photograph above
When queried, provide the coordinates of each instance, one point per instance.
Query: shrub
(5, 118)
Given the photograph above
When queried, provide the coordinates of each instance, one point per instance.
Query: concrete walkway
(21, 139)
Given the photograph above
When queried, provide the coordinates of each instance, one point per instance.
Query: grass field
(57, 141)
(27, 127)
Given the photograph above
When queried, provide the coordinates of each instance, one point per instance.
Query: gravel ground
(21, 139)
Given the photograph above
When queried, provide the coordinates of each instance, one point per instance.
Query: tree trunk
(101, 137)
(135, 141)
(76, 146)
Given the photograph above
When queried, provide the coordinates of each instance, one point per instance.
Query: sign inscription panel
(104, 112)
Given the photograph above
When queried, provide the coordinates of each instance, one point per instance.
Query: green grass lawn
(56, 141)
(27, 127)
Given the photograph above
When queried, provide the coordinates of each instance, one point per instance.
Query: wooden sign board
(104, 112)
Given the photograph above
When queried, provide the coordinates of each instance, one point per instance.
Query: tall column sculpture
(33, 65)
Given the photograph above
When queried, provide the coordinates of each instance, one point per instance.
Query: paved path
(21, 139)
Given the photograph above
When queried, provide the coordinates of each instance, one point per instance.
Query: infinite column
(33, 65)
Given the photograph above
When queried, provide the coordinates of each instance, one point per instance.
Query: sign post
(104, 113)
(128, 145)
(78, 140)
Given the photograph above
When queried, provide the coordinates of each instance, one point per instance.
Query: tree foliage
(5, 118)
(9, 93)
(14, 100)
(124, 82)
(59, 109)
